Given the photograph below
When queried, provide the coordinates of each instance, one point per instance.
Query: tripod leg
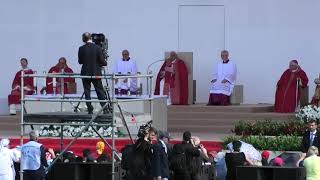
(77, 106)
(107, 95)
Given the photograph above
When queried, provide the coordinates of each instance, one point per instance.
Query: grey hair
(225, 52)
(34, 134)
(312, 151)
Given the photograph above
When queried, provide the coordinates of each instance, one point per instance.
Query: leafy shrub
(270, 128)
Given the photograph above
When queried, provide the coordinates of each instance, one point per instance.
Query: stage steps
(218, 119)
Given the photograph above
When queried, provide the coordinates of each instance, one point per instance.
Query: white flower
(308, 113)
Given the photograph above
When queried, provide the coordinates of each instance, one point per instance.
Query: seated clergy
(15, 96)
(223, 81)
(288, 88)
(61, 67)
(172, 80)
(126, 66)
(316, 97)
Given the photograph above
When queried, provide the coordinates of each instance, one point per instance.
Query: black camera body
(101, 40)
(144, 129)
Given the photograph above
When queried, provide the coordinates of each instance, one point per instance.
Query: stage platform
(218, 120)
(65, 117)
(210, 123)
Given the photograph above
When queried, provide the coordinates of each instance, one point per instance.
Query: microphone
(148, 72)
(149, 89)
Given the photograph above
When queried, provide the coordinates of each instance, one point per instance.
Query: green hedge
(270, 128)
(277, 143)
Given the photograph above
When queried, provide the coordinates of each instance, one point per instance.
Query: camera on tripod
(144, 129)
(100, 40)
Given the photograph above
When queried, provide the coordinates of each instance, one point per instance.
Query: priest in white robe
(126, 66)
(7, 157)
(223, 81)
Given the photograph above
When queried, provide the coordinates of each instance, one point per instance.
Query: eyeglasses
(125, 54)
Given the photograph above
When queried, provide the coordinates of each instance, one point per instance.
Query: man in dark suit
(159, 160)
(91, 57)
(311, 137)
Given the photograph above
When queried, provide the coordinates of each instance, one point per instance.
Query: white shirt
(124, 68)
(164, 145)
(312, 136)
(223, 71)
(7, 157)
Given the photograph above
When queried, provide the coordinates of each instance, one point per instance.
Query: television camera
(100, 40)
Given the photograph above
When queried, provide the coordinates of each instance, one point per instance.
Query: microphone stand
(149, 72)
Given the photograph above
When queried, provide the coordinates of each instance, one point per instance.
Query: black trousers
(97, 83)
(34, 174)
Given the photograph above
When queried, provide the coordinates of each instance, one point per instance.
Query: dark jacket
(159, 161)
(190, 152)
(140, 163)
(305, 144)
(91, 57)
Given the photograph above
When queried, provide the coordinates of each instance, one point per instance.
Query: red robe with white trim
(15, 96)
(176, 82)
(287, 93)
(49, 81)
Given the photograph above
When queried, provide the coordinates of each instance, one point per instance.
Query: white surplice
(223, 71)
(126, 67)
(7, 157)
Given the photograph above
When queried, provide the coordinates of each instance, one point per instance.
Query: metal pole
(62, 90)
(22, 120)
(77, 136)
(61, 138)
(112, 133)
(106, 142)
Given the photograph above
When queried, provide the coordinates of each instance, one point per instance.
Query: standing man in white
(223, 81)
(33, 158)
(126, 66)
(7, 157)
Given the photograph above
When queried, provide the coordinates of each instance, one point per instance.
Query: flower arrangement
(308, 113)
(72, 131)
(269, 128)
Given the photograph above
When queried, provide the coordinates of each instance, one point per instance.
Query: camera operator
(91, 57)
(140, 159)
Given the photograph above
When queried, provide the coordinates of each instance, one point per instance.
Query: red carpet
(90, 143)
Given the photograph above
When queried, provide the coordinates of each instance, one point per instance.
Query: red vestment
(176, 82)
(49, 81)
(286, 94)
(15, 96)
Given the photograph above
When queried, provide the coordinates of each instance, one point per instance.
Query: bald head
(86, 37)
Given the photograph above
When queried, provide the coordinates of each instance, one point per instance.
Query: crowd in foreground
(152, 156)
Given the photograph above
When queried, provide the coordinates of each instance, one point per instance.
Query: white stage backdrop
(261, 35)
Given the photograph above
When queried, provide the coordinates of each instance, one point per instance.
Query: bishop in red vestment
(61, 67)
(174, 76)
(15, 96)
(316, 97)
(288, 88)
